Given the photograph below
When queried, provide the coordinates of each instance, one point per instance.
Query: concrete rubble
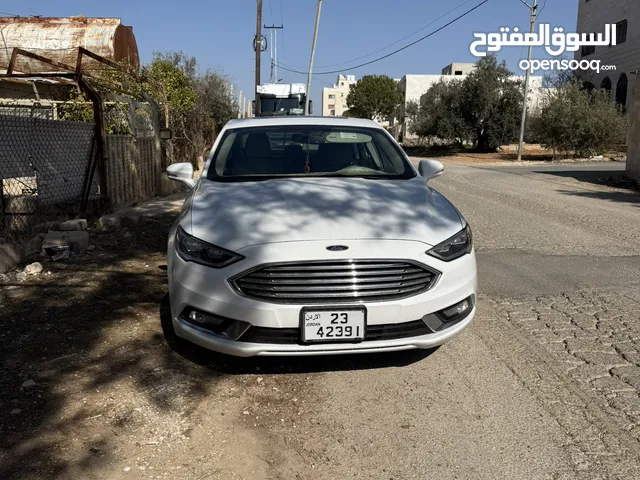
(33, 268)
(73, 225)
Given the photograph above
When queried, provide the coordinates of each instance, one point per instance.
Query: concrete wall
(592, 16)
(633, 148)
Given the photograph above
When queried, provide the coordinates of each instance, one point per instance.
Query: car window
(298, 150)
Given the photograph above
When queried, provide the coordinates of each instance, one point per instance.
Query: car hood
(234, 215)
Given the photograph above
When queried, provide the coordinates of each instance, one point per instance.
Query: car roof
(301, 120)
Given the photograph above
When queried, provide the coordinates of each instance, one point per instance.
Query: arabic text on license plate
(333, 325)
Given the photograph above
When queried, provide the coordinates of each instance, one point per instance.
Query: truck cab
(275, 99)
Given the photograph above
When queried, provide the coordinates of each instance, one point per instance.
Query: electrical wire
(397, 41)
(543, 5)
(399, 49)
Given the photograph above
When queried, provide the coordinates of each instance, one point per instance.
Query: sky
(219, 33)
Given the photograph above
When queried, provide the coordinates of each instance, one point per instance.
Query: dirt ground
(90, 389)
(507, 155)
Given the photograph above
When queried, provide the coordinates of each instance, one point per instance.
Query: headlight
(193, 250)
(454, 247)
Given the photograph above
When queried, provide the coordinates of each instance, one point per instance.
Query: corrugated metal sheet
(59, 39)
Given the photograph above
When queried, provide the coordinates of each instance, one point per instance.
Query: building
(334, 99)
(457, 69)
(415, 86)
(625, 56)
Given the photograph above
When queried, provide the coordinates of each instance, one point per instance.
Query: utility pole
(240, 105)
(534, 12)
(257, 43)
(273, 50)
(313, 51)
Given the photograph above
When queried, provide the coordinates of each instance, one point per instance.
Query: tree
(577, 121)
(374, 96)
(485, 107)
(441, 113)
(491, 104)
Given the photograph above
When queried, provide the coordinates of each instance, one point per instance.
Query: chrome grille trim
(335, 281)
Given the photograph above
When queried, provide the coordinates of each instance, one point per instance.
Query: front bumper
(208, 290)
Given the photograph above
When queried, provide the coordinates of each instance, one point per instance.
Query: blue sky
(219, 33)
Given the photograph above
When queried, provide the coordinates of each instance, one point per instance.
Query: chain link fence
(44, 164)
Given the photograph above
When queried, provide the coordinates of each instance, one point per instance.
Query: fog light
(457, 309)
(450, 316)
(202, 318)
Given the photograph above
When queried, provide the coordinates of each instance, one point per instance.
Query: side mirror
(181, 172)
(430, 169)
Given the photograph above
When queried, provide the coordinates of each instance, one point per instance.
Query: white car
(313, 236)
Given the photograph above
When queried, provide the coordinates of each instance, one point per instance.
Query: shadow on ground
(627, 191)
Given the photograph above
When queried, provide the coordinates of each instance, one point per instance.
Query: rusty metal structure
(59, 39)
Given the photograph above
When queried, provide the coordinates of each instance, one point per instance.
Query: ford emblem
(337, 248)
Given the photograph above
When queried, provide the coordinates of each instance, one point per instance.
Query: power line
(543, 5)
(399, 49)
(397, 41)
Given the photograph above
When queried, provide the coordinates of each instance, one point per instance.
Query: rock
(33, 269)
(9, 257)
(44, 227)
(4, 278)
(29, 383)
(55, 241)
(21, 277)
(73, 225)
(110, 221)
(15, 411)
(34, 246)
(3, 240)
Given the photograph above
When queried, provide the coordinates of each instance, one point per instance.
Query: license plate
(333, 324)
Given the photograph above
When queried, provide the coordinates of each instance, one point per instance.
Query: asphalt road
(543, 385)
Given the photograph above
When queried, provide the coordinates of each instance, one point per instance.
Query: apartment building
(334, 99)
(625, 56)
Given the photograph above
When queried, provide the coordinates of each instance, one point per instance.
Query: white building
(592, 17)
(334, 99)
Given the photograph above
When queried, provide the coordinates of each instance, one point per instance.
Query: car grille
(291, 336)
(335, 281)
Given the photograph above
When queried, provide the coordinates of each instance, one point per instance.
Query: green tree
(485, 107)
(575, 121)
(374, 96)
(491, 104)
(441, 113)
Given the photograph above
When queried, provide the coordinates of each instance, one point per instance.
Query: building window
(332, 105)
(606, 85)
(342, 95)
(621, 31)
(621, 90)
(458, 72)
(331, 97)
(332, 113)
(342, 84)
(588, 50)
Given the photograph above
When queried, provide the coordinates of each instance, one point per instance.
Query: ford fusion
(315, 236)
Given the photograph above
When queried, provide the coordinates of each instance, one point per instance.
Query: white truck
(280, 99)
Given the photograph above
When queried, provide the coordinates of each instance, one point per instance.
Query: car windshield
(258, 153)
(281, 106)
